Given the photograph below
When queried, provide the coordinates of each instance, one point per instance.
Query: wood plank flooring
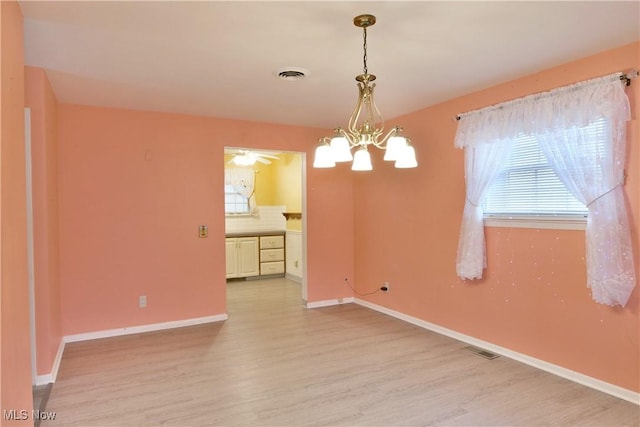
(275, 363)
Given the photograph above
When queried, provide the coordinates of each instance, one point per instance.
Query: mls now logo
(42, 415)
(15, 414)
(23, 414)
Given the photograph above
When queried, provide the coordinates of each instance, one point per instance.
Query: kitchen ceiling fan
(249, 158)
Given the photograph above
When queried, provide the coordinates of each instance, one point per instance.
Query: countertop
(255, 233)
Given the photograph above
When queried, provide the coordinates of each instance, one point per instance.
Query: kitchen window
(234, 202)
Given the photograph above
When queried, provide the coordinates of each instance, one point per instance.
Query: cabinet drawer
(267, 242)
(272, 267)
(271, 255)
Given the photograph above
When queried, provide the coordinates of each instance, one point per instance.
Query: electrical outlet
(142, 301)
(386, 287)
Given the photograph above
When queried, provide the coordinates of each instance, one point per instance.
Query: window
(528, 188)
(581, 128)
(234, 202)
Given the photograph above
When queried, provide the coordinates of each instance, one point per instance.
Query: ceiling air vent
(292, 73)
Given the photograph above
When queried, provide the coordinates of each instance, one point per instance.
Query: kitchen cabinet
(242, 255)
(272, 255)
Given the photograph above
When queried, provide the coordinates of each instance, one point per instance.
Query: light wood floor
(274, 363)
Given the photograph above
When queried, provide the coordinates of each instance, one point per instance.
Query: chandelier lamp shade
(365, 127)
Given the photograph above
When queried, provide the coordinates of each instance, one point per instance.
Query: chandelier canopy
(365, 127)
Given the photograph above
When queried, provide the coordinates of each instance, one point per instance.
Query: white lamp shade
(395, 147)
(407, 158)
(361, 161)
(244, 160)
(340, 149)
(323, 157)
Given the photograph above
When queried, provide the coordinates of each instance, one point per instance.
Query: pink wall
(533, 298)
(135, 186)
(40, 99)
(15, 368)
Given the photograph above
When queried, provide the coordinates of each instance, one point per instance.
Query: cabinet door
(231, 252)
(248, 258)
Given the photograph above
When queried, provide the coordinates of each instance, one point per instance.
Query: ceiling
(221, 59)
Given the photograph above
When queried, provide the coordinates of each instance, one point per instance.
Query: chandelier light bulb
(407, 158)
(323, 157)
(362, 160)
(395, 147)
(340, 149)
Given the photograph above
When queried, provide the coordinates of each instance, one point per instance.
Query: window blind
(234, 202)
(528, 186)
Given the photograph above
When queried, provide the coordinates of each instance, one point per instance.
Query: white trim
(554, 223)
(329, 302)
(51, 377)
(303, 172)
(44, 379)
(30, 244)
(612, 389)
(144, 328)
(57, 361)
(293, 277)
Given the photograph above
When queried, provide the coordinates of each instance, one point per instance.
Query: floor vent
(481, 352)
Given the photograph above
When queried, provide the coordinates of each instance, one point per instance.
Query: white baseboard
(329, 302)
(51, 377)
(293, 277)
(44, 379)
(605, 387)
(144, 328)
(57, 361)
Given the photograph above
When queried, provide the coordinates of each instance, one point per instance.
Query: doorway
(274, 207)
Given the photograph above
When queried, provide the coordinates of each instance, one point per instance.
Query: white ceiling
(218, 58)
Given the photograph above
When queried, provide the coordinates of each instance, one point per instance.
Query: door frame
(30, 244)
(303, 190)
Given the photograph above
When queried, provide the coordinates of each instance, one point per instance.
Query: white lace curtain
(482, 165)
(243, 182)
(558, 119)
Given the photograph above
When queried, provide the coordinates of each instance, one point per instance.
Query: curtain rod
(625, 77)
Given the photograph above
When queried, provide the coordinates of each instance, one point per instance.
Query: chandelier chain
(364, 46)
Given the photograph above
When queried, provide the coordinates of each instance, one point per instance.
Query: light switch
(204, 231)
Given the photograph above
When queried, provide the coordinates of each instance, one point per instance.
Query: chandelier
(365, 127)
